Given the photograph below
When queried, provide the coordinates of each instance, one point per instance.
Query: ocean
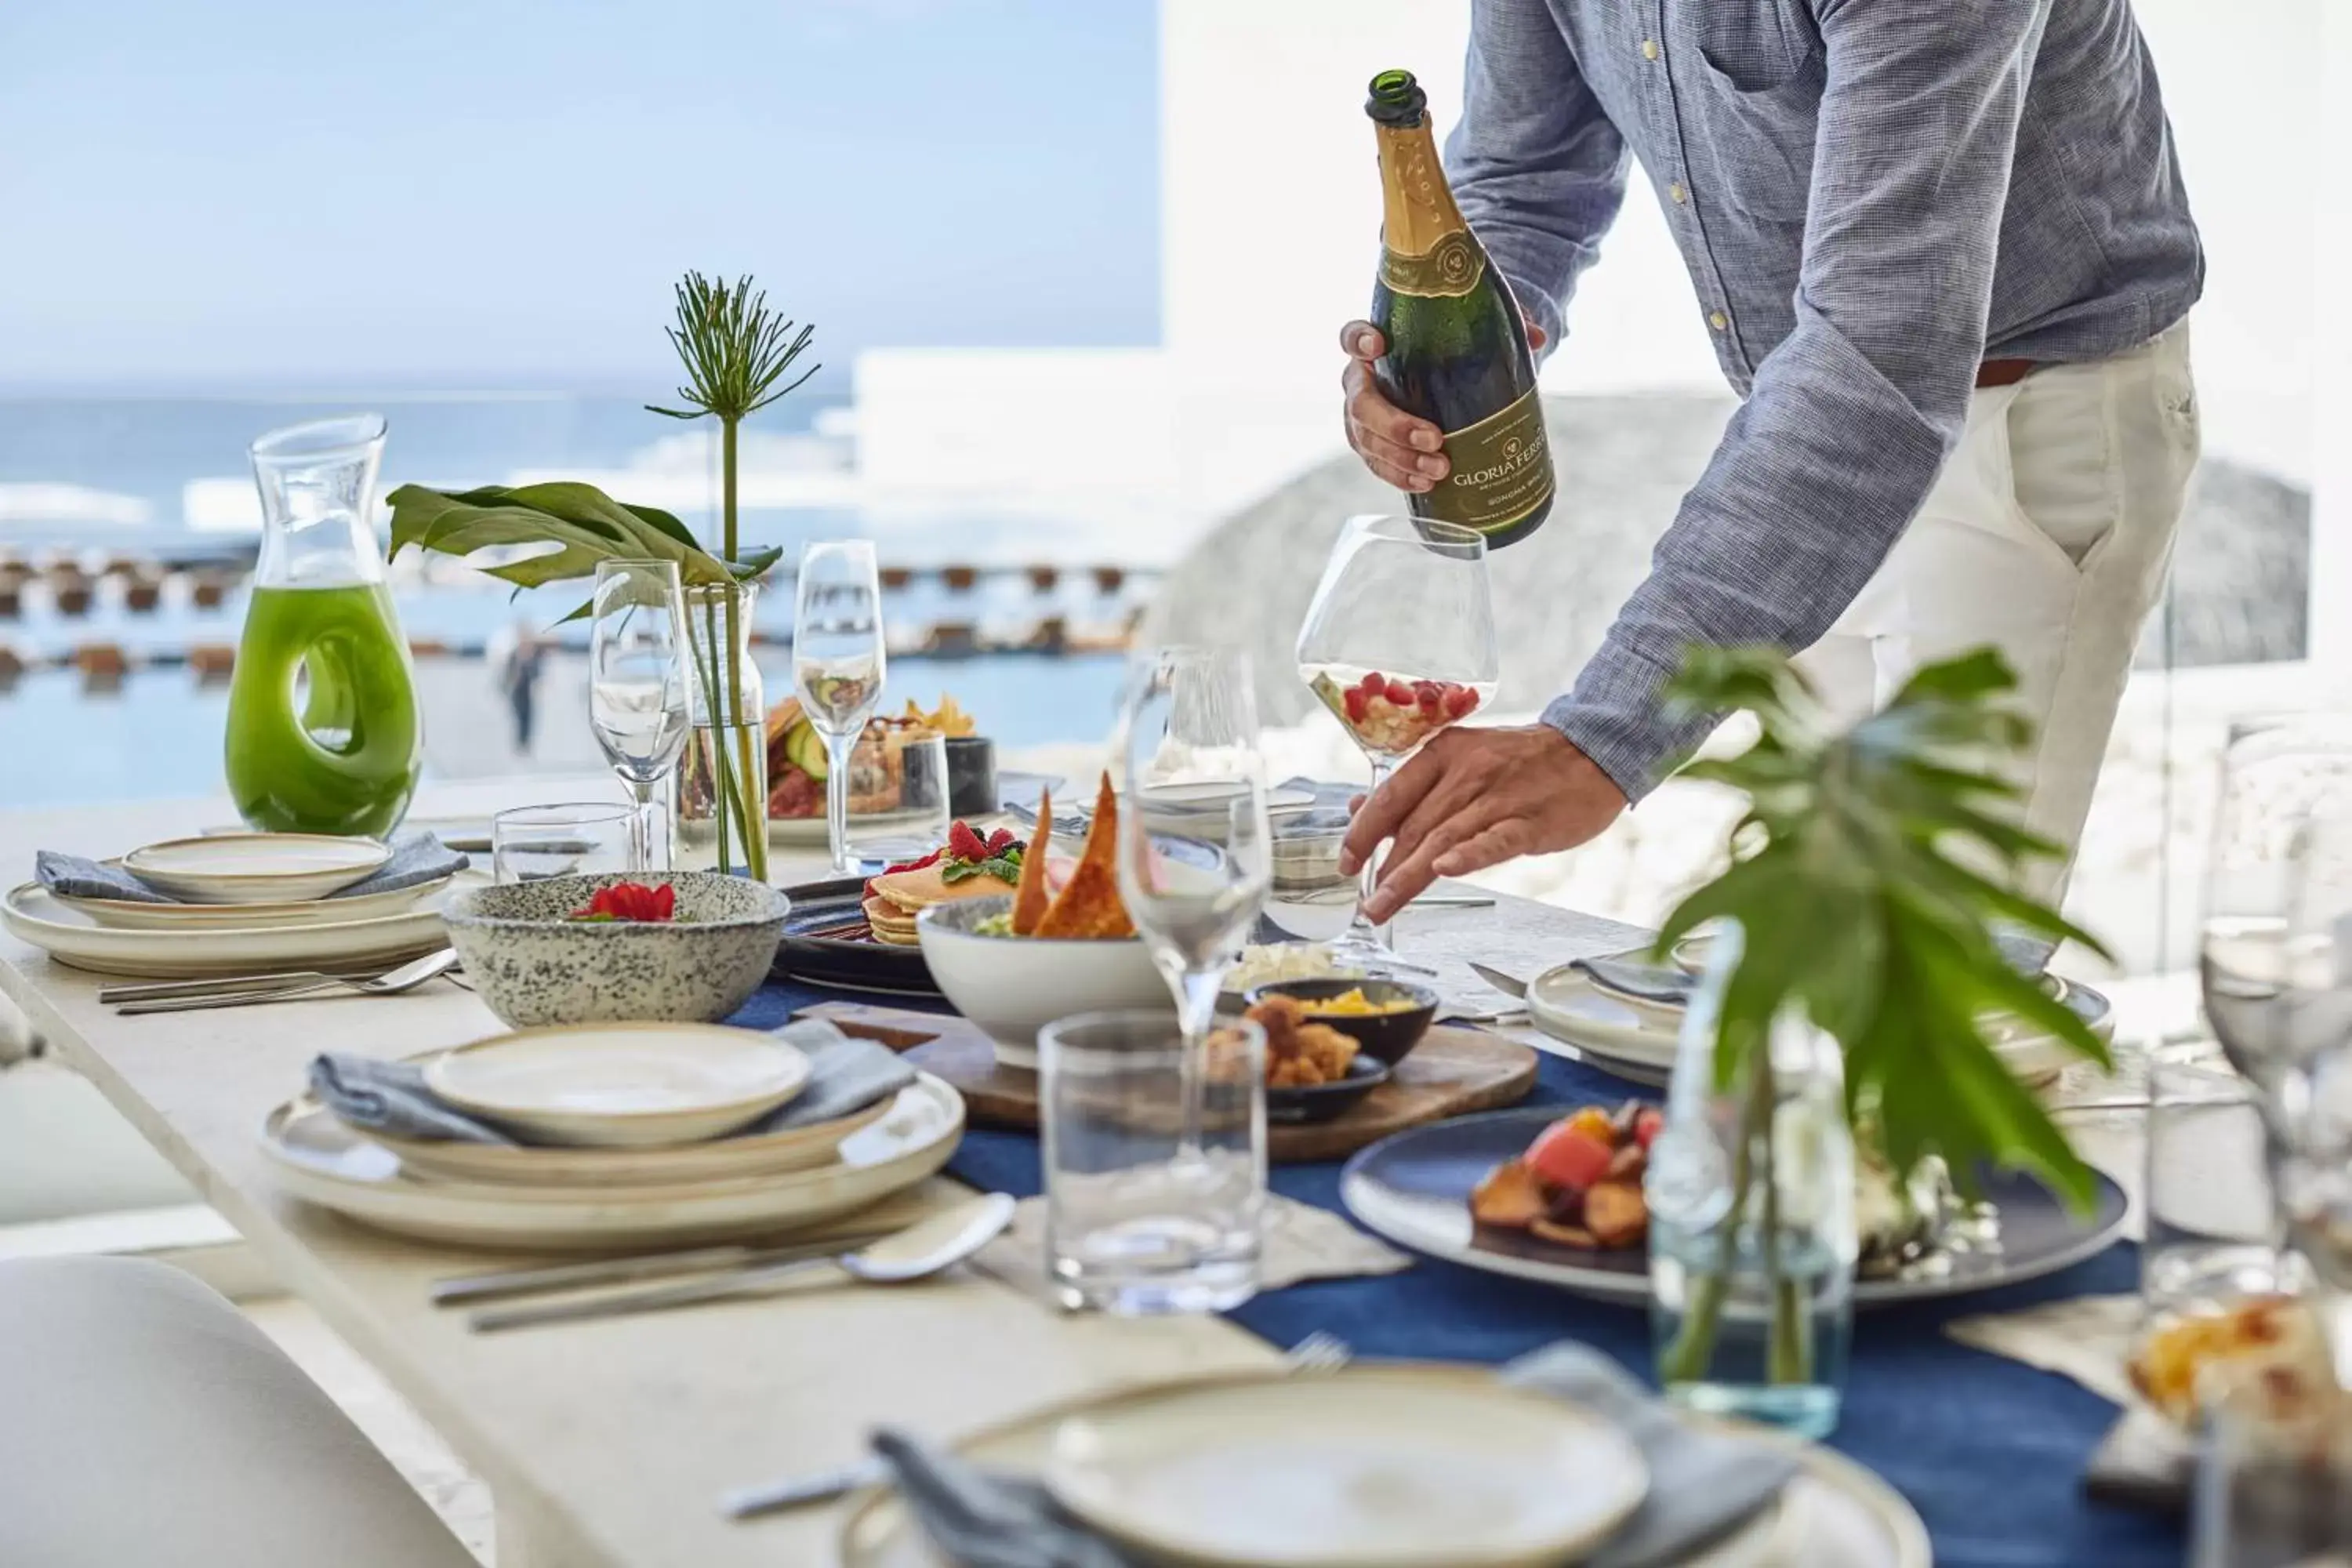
(147, 476)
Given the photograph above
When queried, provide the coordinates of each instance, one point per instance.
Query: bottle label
(1501, 469)
(1448, 272)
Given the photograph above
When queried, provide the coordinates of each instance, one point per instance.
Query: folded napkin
(845, 1074)
(1299, 1242)
(1649, 982)
(1331, 813)
(1703, 1483)
(416, 858)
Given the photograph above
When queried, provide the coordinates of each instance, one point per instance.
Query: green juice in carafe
(341, 753)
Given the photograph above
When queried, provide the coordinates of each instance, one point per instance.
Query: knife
(1508, 985)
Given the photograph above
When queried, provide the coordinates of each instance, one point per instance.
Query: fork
(1317, 1352)
(407, 977)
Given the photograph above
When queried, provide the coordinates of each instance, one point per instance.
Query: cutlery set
(291, 985)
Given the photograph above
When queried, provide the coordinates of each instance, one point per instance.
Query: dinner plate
(810, 832)
(34, 915)
(256, 868)
(1834, 1514)
(640, 1085)
(1386, 1467)
(125, 914)
(321, 1160)
(808, 953)
(1637, 1039)
(1414, 1186)
(715, 1160)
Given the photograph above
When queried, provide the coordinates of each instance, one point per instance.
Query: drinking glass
(1399, 643)
(531, 842)
(838, 664)
(2273, 1485)
(899, 796)
(2213, 1231)
(637, 687)
(1149, 1209)
(1194, 853)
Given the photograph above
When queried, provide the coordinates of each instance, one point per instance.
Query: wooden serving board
(1451, 1073)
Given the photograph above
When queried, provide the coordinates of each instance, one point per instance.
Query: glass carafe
(322, 725)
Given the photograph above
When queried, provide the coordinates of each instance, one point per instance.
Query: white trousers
(2047, 535)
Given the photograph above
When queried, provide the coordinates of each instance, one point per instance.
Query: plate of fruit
(1556, 1193)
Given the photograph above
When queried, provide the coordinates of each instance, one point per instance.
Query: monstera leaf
(1868, 878)
(586, 526)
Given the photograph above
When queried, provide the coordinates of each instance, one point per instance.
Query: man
(1944, 253)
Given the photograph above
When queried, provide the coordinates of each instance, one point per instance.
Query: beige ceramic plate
(126, 915)
(72, 936)
(621, 1086)
(1835, 1514)
(256, 868)
(1386, 1467)
(719, 1159)
(321, 1160)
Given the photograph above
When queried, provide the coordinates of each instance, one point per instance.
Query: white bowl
(256, 868)
(621, 1086)
(1013, 986)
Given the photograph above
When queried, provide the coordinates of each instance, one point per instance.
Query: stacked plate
(653, 1149)
(1633, 1036)
(255, 902)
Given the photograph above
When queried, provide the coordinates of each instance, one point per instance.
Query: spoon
(922, 1249)
(407, 977)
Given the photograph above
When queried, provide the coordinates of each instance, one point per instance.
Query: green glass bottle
(323, 733)
(1457, 346)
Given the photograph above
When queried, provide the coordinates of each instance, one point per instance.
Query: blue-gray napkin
(416, 858)
(1649, 982)
(845, 1074)
(1702, 1484)
(1329, 813)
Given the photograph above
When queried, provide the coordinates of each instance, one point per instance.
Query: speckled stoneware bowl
(532, 966)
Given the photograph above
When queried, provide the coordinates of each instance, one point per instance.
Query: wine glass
(637, 687)
(1398, 644)
(1190, 759)
(837, 666)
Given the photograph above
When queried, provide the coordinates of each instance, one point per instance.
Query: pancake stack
(896, 897)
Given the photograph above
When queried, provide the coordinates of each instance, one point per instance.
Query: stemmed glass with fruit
(1399, 645)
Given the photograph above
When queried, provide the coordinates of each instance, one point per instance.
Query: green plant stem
(722, 791)
(1686, 1360)
(1787, 1355)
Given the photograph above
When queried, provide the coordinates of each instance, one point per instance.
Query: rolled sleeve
(1534, 164)
(1854, 413)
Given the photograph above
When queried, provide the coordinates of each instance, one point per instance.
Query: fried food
(1088, 906)
(1580, 1182)
(1300, 1053)
(1030, 898)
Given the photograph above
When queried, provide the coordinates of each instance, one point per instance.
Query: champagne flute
(1190, 737)
(838, 663)
(637, 687)
(1398, 644)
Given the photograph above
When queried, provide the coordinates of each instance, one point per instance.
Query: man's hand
(1475, 798)
(1399, 447)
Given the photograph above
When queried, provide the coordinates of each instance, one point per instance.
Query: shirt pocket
(1758, 145)
(1754, 45)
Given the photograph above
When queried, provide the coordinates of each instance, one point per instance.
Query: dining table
(607, 1444)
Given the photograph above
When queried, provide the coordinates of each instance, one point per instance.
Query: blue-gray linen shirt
(1872, 197)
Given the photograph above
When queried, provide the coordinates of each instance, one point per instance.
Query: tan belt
(2003, 371)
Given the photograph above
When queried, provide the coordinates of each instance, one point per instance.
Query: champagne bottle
(1457, 347)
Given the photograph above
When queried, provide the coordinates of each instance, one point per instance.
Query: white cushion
(144, 1421)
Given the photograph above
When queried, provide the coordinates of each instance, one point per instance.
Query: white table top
(608, 1442)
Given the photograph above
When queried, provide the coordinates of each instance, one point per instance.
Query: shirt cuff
(1615, 717)
(1537, 310)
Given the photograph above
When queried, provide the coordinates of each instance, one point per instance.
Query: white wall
(1270, 219)
(2331, 531)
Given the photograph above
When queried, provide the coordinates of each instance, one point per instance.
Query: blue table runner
(1989, 1451)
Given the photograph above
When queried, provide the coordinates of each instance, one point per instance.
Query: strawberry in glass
(1390, 716)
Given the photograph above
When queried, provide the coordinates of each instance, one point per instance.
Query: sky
(239, 194)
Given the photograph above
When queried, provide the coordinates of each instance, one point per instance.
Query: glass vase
(723, 780)
(1752, 1242)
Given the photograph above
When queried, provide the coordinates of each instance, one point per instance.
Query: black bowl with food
(1385, 1017)
(1292, 1105)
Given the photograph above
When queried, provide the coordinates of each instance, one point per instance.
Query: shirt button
(1718, 320)
(1649, 48)
(1680, 194)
